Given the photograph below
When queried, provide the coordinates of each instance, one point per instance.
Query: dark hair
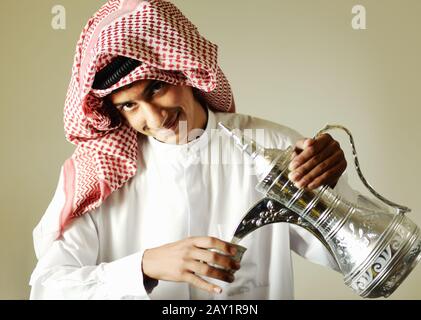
(108, 76)
(114, 71)
(112, 112)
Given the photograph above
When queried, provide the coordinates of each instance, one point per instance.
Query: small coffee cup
(237, 257)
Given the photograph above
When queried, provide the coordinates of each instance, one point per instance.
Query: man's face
(156, 108)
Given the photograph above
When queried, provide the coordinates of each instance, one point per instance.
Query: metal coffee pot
(375, 249)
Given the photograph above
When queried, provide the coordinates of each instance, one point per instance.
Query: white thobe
(178, 191)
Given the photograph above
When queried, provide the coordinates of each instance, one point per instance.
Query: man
(139, 204)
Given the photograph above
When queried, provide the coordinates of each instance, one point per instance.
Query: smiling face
(158, 109)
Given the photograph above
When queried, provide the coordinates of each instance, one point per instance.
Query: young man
(141, 202)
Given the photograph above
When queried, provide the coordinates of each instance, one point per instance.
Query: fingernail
(292, 165)
(308, 142)
(299, 185)
(293, 176)
(233, 251)
(217, 290)
(237, 265)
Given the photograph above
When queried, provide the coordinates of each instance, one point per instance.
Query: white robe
(178, 192)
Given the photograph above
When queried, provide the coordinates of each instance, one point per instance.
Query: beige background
(297, 62)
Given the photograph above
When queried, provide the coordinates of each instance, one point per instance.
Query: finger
(330, 177)
(215, 258)
(310, 150)
(214, 243)
(321, 170)
(201, 283)
(206, 270)
(302, 144)
(299, 172)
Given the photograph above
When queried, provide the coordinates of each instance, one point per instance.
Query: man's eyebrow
(144, 95)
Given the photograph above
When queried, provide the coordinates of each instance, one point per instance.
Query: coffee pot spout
(267, 211)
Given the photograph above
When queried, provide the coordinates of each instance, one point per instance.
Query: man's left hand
(317, 162)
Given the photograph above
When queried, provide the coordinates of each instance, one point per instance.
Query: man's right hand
(186, 260)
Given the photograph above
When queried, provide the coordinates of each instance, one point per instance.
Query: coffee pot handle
(400, 209)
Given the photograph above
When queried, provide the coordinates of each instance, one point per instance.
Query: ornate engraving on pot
(400, 272)
(357, 239)
(392, 264)
(365, 280)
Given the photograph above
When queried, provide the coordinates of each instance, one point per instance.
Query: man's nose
(154, 115)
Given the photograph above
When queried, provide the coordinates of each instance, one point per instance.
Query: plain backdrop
(296, 62)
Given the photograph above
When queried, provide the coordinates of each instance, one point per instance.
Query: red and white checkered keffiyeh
(170, 49)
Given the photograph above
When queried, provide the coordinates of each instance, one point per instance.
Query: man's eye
(128, 106)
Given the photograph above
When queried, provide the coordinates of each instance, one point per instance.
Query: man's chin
(177, 136)
(171, 138)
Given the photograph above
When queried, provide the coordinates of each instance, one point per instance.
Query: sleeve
(306, 245)
(67, 268)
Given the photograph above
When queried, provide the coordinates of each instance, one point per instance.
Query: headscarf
(170, 49)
